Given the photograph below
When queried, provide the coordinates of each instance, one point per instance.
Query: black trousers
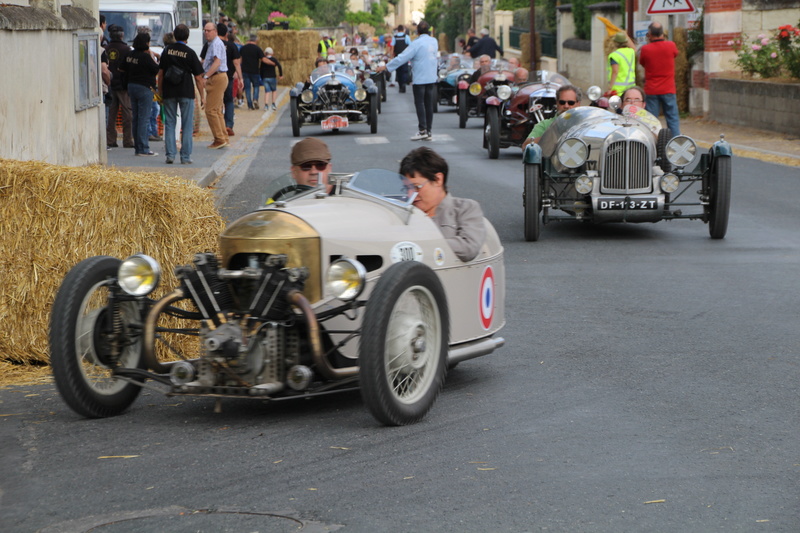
(423, 101)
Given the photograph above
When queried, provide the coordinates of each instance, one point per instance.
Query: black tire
(462, 108)
(719, 196)
(383, 88)
(532, 201)
(79, 353)
(373, 113)
(294, 110)
(664, 136)
(403, 347)
(492, 132)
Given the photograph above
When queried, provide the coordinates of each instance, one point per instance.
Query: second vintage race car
(471, 96)
(334, 98)
(512, 112)
(313, 294)
(597, 165)
(452, 69)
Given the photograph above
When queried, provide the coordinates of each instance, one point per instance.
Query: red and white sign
(670, 7)
(486, 304)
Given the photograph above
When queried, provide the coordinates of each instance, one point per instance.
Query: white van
(161, 16)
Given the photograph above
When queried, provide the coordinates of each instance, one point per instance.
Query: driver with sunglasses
(311, 163)
(567, 97)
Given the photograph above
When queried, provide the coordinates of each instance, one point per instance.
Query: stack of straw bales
(54, 217)
(296, 51)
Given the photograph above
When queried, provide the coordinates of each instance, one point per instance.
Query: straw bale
(53, 217)
(296, 50)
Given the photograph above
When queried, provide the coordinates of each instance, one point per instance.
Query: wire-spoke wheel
(403, 349)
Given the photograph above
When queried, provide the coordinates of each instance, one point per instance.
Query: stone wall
(756, 104)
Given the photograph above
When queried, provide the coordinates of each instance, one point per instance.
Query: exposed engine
(249, 337)
(334, 94)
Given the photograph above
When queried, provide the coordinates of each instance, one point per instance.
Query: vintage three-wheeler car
(313, 294)
(471, 99)
(598, 165)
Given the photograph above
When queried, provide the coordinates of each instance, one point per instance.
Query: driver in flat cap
(311, 163)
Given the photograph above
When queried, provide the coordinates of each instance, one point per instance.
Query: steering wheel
(296, 187)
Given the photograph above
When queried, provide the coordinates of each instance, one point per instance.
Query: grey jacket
(461, 223)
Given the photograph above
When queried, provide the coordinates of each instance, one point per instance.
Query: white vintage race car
(312, 294)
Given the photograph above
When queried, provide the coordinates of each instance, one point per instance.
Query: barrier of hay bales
(296, 50)
(54, 217)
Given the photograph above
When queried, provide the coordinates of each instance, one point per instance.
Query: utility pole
(532, 39)
(629, 12)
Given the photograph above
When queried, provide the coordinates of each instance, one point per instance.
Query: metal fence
(548, 40)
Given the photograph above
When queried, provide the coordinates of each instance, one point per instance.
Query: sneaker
(420, 136)
(186, 161)
(148, 154)
(428, 136)
(230, 132)
(255, 105)
(112, 145)
(274, 107)
(170, 160)
(214, 146)
(155, 138)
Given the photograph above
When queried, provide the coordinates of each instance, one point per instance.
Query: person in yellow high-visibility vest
(622, 64)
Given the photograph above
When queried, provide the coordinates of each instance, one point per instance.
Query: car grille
(627, 168)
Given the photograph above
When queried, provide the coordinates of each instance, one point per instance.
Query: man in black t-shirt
(118, 50)
(179, 64)
(252, 55)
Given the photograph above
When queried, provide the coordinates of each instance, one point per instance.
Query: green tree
(329, 12)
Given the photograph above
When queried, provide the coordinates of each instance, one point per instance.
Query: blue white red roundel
(486, 303)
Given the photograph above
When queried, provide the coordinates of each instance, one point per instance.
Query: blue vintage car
(452, 68)
(334, 98)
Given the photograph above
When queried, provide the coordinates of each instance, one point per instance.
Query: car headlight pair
(346, 279)
(139, 275)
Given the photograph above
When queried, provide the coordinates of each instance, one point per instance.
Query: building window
(87, 70)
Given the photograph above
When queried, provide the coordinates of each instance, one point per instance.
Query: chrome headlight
(573, 152)
(475, 89)
(681, 150)
(583, 184)
(346, 279)
(308, 96)
(139, 275)
(442, 72)
(504, 92)
(670, 183)
(361, 94)
(594, 93)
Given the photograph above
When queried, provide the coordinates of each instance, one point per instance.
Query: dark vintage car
(471, 97)
(514, 110)
(313, 294)
(597, 165)
(334, 98)
(452, 69)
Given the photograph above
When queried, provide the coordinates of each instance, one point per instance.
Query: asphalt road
(648, 383)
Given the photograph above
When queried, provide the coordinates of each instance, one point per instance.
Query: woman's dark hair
(141, 41)
(426, 162)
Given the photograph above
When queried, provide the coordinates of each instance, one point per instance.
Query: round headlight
(307, 97)
(361, 94)
(475, 89)
(583, 184)
(573, 153)
(504, 92)
(670, 183)
(681, 150)
(138, 275)
(594, 93)
(442, 72)
(346, 279)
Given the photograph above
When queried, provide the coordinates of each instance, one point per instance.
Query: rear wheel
(492, 132)
(89, 339)
(403, 348)
(462, 108)
(373, 113)
(719, 196)
(532, 201)
(295, 113)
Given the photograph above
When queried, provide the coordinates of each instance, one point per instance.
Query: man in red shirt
(657, 58)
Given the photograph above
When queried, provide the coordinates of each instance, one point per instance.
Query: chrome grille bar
(626, 168)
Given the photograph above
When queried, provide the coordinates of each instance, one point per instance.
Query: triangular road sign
(668, 7)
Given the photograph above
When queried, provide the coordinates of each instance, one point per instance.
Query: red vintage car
(472, 93)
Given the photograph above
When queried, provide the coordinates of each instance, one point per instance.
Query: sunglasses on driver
(567, 102)
(319, 165)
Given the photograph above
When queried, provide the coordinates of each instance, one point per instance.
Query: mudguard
(463, 84)
(493, 100)
(721, 147)
(532, 154)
